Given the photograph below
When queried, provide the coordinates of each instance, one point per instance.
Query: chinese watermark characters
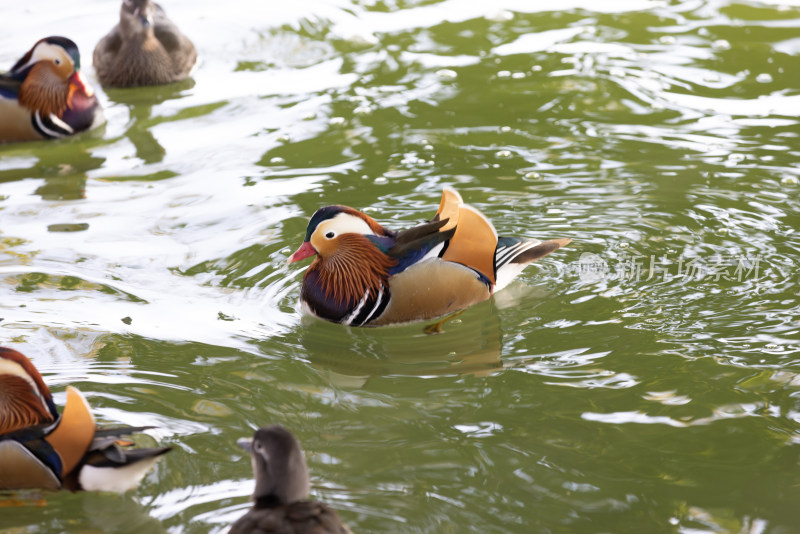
(591, 267)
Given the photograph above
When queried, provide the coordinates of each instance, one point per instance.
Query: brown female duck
(282, 484)
(145, 48)
(45, 95)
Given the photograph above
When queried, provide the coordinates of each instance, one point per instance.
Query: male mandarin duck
(365, 274)
(145, 48)
(282, 486)
(45, 94)
(40, 449)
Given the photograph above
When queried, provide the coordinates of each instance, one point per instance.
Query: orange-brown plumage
(19, 406)
(71, 452)
(25, 363)
(42, 90)
(366, 274)
(473, 243)
(45, 96)
(75, 432)
(22, 403)
(355, 267)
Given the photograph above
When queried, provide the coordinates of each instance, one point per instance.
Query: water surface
(644, 379)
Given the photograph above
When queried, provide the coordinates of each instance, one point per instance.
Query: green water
(145, 263)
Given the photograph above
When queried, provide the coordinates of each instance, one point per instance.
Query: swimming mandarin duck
(145, 48)
(40, 449)
(45, 95)
(282, 486)
(365, 274)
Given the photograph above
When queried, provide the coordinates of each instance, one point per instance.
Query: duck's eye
(57, 61)
(330, 235)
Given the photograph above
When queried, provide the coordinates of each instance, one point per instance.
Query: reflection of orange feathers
(474, 242)
(37, 93)
(75, 431)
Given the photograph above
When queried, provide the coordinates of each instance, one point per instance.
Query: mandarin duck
(282, 484)
(40, 449)
(145, 48)
(367, 275)
(46, 96)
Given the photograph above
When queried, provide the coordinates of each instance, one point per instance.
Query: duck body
(144, 48)
(302, 517)
(46, 96)
(282, 485)
(41, 449)
(367, 275)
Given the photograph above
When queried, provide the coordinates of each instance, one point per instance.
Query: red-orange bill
(305, 251)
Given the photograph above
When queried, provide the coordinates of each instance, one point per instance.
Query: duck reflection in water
(64, 166)
(467, 343)
(140, 103)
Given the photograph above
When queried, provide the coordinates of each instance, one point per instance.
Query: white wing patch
(118, 479)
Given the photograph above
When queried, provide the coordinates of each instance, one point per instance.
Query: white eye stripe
(44, 51)
(344, 223)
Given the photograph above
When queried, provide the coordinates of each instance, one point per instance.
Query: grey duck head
(279, 465)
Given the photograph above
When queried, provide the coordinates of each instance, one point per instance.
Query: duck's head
(278, 465)
(136, 17)
(51, 76)
(324, 235)
(25, 400)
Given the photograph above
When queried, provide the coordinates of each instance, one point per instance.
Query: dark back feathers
(425, 235)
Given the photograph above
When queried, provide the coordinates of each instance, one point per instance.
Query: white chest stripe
(354, 314)
(375, 308)
(58, 123)
(61, 124)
